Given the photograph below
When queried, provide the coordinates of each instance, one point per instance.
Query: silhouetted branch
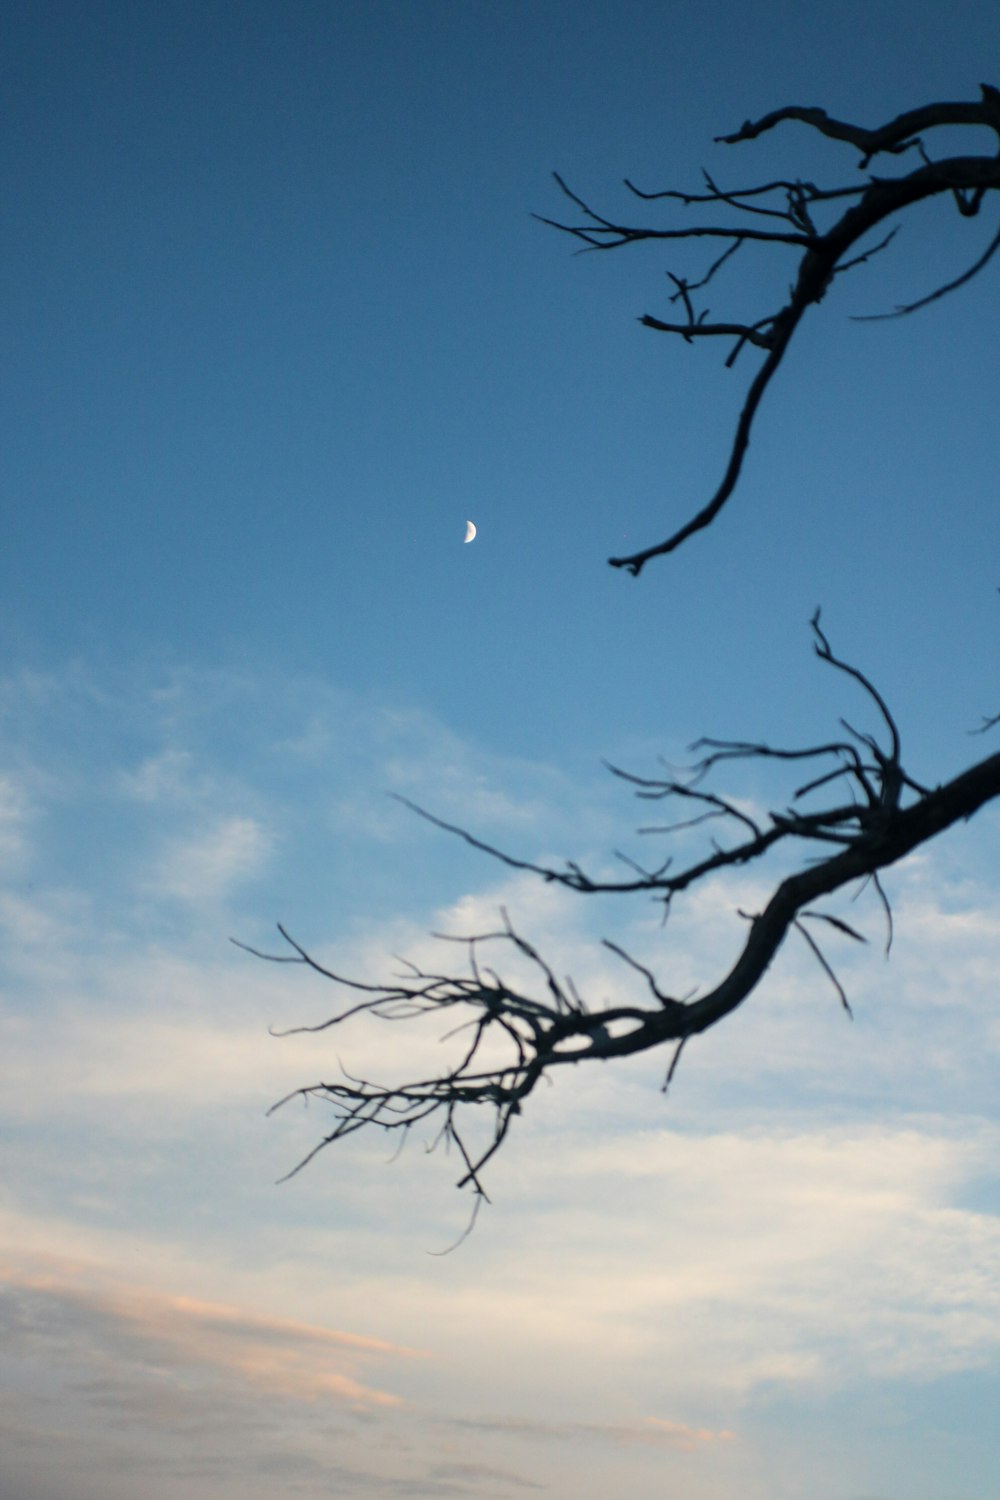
(823, 254)
(939, 292)
(516, 1034)
(900, 134)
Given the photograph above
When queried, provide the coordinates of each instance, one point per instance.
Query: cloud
(43, 926)
(462, 1475)
(796, 1255)
(167, 1045)
(16, 812)
(140, 1328)
(676, 1434)
(646, 1432)
(418, 757)
(164, 777)
(205, 866)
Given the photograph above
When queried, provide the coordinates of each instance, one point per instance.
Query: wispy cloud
(205, 866)
(15, 815)
(164, 777)
(646, 1431)
(470, 1477)
(142, 1328)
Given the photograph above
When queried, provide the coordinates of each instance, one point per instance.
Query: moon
(470, 531)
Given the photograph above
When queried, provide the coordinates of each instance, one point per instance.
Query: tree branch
(517, 1034)
(822, 254)
(900, 134)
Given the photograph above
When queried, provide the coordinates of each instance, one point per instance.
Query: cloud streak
(647, 1432)
(143, 1327)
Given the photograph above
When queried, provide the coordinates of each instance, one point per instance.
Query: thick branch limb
(898, 135)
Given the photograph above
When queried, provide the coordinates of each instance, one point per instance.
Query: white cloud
(204, 867)
(164, 777)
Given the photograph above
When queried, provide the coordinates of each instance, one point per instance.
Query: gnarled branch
(823, 254)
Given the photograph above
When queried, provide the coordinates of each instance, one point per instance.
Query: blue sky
(277, 323)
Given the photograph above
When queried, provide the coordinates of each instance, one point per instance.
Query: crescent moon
(470, 531)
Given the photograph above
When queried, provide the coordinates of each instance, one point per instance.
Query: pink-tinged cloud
(677, 1435)
(303, 1361)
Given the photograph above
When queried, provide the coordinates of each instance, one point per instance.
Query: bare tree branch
(939, 292)
(822, 254)
(900, 134)
(516, 1035)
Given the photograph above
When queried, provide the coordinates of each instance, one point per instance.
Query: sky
(278, 323)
